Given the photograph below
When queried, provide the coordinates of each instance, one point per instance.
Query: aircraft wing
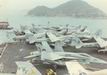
(26, 68)
(74, 68)
(100, 41)
(33, 40)
(52, 37)
(30, 56)
(101, 72)
(19, 37)
(33, 54)
(50, 56)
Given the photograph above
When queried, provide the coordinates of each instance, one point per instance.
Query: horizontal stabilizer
(52, 37)
(100, 41)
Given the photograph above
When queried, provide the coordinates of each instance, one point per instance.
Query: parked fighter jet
(26, 34)
(31, 38)
(78, 43)
(74, 68)
(100, 43)
(37, 38)
(75, 29)
(7, 37)
(24, 68)
(58, 56)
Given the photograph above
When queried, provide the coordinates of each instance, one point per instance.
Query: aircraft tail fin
(98, 33)
(83, 28)
(26, 68)
(46, 46)
(64, 31)
(76, 42)
(58, 46)
(23, 28)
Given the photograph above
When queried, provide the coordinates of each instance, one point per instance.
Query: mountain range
(72, 8)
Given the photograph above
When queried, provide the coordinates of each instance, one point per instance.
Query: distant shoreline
(72, 8)
(103, 18)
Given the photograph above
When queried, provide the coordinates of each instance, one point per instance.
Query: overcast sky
(22, 6)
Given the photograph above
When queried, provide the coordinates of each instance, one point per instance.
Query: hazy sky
(22, 6)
